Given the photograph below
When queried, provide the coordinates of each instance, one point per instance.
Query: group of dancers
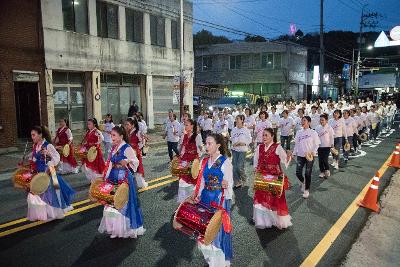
(221, 140)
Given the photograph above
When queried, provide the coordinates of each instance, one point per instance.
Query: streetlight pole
(182, 79)
(321, 48)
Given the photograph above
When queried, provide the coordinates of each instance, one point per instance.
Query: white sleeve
(199, 143)
(69, 135)
(317, 143)
(227, 170)
(130, 154)
(248, 137)
(55, 157)
(255, 159)
(101, 137)
(331, 136)
(282, 155)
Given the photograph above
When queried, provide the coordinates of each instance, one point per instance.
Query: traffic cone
(371, 197)
(395, 160)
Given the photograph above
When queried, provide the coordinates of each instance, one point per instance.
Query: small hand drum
(273, 184)
(92, 154)
(107, 193)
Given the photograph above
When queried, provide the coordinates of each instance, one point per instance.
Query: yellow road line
(75, 211)
(326, 242)
(18, 221)
(159, 179)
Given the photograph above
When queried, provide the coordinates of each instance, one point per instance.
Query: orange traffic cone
(371, 197)
(395, 161)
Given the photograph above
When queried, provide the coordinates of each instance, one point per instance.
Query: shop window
(157, 30)
(235, 62)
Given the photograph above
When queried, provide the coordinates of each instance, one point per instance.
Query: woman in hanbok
(93, 137)
(63, 137)
(269, 209)
(121, 163)
(190, 150)
(56, 200)
(135, 139)
(217, 183)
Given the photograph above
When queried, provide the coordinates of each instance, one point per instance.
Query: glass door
(69, 103)
(61, 109)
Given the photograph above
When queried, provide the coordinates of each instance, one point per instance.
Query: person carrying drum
(135, 137)
(63, 142)
(55, 201)
(190, 151)
(92, 140)
(326, 137)
(215, 188)
(305, 148)
(340, 134)
(269, 206)
(126, 219)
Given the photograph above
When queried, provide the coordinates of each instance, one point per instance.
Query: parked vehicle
(230, 102)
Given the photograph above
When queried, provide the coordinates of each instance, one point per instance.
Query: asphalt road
(75, 241)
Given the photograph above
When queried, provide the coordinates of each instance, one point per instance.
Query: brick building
(80, 59)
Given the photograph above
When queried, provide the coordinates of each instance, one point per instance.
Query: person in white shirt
(221, 127)
(241, 139)
(326, 137)
(172, 135)
(374, 120)
(262, 124)
(249, 120)
(143, 130)
(200, 120)
(314, 117)
(390, 114)
(298, 119)
(206, 126)
(286, 124)
(306, 142)
(339, 129)
(230, 119)
(274, 119)
(351, 129)
(108, 126)
(358, 127)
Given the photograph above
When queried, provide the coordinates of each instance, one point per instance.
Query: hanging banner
(175, 97)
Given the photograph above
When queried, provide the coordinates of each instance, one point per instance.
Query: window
(175, 36)
(107, 20)
(134, 26)
(235, 62)
(207, 63)
(277, 60)
(267, 60)
(75, 15)
(157, 30)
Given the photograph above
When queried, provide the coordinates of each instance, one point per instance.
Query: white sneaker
(306, 194)
(336, 166)
(327, 173)
(322, 175)
(303, 187)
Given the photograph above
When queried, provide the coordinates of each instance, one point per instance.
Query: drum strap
(200, 176)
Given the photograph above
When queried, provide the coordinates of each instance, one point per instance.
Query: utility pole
(321, 48)
(182, 78)
(365, 22)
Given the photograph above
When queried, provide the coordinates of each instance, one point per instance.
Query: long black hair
(66, 121)
(194, 132)
(121, 131)
(44, 131)
(94, 120)
(219, 139)
(133, 121)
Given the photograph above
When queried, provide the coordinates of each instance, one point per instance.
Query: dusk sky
(271, 18)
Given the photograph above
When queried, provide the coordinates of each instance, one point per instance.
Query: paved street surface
(75, 241)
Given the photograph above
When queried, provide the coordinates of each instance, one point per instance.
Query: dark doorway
(27, 107)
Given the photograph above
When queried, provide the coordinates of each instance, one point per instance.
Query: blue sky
(271, 18)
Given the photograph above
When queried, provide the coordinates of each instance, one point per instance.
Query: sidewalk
(9, 161)
(379, 241)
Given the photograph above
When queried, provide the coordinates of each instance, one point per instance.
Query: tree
(255, 38)
(205, 37)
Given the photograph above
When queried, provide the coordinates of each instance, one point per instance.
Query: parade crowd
(208, 155)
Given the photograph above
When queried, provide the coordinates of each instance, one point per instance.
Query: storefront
(118, 91)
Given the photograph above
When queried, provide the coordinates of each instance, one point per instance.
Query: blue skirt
(223, 240)
(132, 209)
(66, 194)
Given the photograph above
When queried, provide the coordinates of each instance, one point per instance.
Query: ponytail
(44, 131)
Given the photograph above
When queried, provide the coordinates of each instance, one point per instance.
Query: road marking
(326, 242)
(30, 225)
(159, 179)
(361, 154)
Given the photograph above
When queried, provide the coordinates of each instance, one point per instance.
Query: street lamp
(357, 72)
(370, 47)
